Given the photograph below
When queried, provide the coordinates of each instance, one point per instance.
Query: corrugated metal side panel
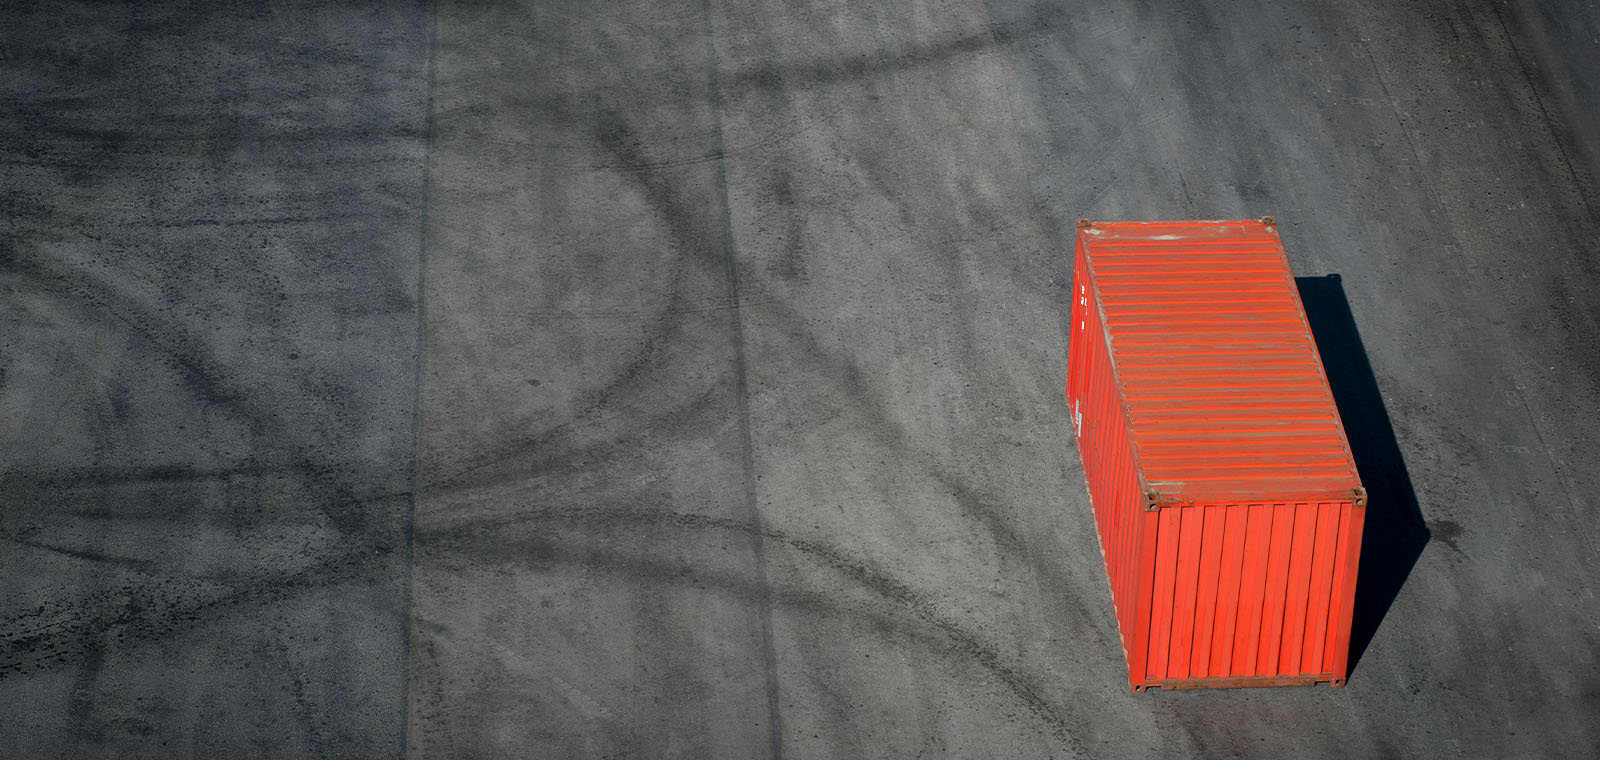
(1253, 591)
(1101, 427)
(1337, 647)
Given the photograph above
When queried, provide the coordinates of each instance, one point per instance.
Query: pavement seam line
(415, 486)
(724, 222)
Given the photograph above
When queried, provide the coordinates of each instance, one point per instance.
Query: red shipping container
(1226, 499)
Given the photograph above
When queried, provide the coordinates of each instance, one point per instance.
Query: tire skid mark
(557, 449)
(468, 537)
(541, 550)
(763, 143)
(613, 134)
(69, 634)
(853, 383)
(531, 670)
(695, 306)
(741, 387)
(209, 379)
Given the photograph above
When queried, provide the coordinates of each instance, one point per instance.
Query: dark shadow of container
(1395, 532)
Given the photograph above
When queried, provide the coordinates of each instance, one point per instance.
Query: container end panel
(1252, 591)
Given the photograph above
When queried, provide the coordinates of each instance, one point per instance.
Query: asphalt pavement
(516, 378)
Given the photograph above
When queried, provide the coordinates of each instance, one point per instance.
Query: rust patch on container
(1236, 683)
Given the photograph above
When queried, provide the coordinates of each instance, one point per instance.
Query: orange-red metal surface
(1224, 492)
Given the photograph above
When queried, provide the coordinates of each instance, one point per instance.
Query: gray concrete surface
(209, 244)
(532, 379)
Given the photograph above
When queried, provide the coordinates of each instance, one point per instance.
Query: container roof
(1218, 371)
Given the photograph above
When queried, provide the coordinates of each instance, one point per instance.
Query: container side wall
(1078, 348)
(1101, 427)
